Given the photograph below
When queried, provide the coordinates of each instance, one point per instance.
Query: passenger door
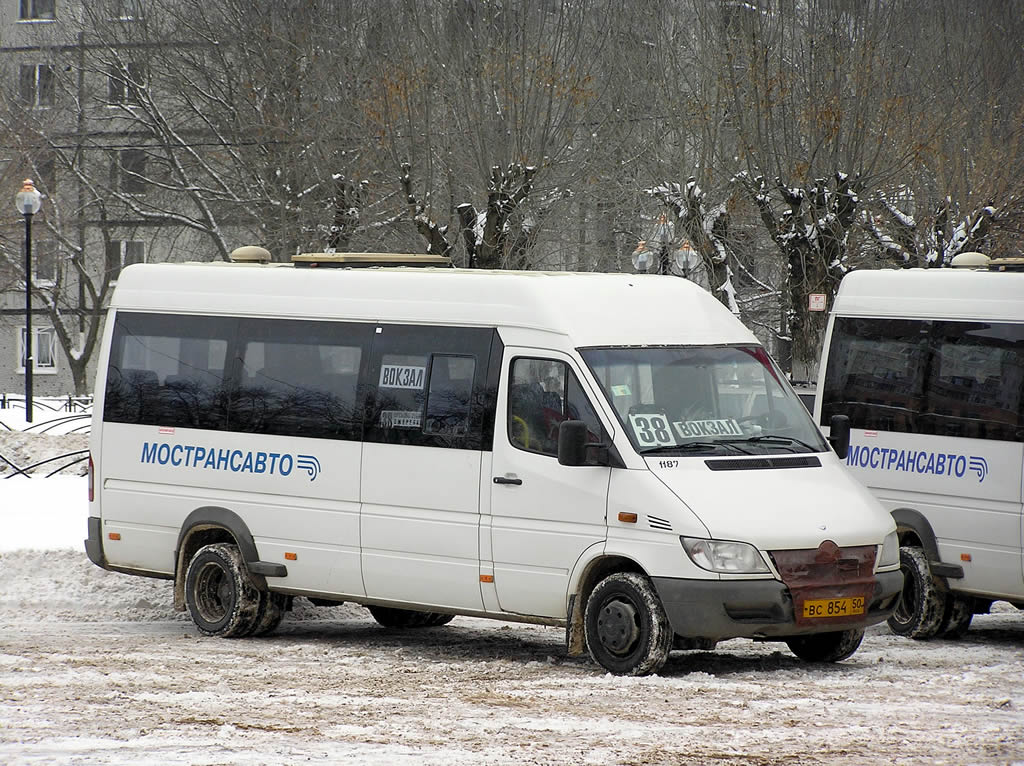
(543, 515)
(422, 452)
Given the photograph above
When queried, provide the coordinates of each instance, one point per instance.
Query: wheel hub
(213, 593)
(617, 627)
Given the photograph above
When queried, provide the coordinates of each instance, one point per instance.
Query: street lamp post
(28, 201)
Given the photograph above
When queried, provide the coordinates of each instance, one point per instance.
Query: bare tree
(820, 91)
(492, 114)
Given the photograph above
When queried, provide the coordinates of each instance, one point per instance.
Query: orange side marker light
(486, 578)
(114, 535)
(291, 556)
(628, 518)
(965, 556)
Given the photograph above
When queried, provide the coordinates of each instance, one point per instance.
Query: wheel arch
(915, 530)
(591, 573)
(205, 526)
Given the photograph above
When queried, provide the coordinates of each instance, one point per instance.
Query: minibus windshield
(699, 400)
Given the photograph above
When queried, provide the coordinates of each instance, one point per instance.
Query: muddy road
(96, 668)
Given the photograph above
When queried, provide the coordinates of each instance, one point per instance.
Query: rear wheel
(826, 647)
(270, 613)
(957, 616)
(625, 625)
(438, 619)
(922, 604)
(219, 594)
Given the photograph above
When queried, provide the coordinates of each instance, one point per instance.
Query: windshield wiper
(779, 439)
(694, 447)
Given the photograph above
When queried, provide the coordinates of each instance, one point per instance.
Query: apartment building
(77, 116)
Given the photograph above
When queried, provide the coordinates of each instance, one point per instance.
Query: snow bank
(43, 514)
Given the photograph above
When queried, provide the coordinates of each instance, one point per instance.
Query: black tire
(625, 626)
(957, 616)
(438, 619)
(922, 604)
(390, 617)
(826, 647)
(270, 613)
(219, 594)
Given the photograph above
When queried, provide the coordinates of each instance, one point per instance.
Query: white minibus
(611, 453)
(928, 365)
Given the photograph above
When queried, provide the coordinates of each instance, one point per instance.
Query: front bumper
(723, 609)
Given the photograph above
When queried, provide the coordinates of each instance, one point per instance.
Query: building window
(124, 252)
(127, 10)
(128, 172)
(124, 83)
(44, 351)
(34, 10)
(44, 171)
(45, 258)
(36, 85)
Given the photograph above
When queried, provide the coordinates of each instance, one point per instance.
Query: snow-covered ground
(97, 668)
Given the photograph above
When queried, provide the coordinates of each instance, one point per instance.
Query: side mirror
(839, 435)
(574, 447)
(572, 442)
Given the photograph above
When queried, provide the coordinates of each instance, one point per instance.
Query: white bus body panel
(971, 491)
(314, 517)
(748, 505)
(420, 525)
(541, 527)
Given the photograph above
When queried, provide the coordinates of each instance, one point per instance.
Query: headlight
(890, 555)
(724, 556)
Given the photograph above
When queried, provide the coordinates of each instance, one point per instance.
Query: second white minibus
(928, 365)
(611, 453)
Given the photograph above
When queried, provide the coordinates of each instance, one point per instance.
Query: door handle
(506, 480)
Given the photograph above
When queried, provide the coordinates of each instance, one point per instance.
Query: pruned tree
(703, 231)
(489, 120)
(500, 235)
(813, 107)
(902, 242)
(809, 226)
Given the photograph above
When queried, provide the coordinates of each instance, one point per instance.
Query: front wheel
(625, 625)
(826, 647)
(219, 594)
(922, 604)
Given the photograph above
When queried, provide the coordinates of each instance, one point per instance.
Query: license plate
(834, 607)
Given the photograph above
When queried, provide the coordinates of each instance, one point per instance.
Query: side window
(875, 373)
(541, 394)
(946, 378)
(976, 381)
(300, 378)
(429, 387)
(168, 370)
(287, 377)
(449, 394)
(400, 386)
